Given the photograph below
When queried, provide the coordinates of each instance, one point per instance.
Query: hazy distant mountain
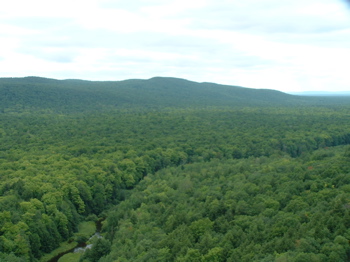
(321, 93)
(50, 95)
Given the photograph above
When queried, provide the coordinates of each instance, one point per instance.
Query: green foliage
(283, 219)
(100, 248)
(87, 229)
(70, 257)
(75, 96)
(180, 171)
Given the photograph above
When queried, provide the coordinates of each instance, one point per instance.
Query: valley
(177, 170)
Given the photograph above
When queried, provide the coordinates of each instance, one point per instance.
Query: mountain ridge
(75, 95)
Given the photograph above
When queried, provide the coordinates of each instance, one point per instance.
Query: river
(82, 246)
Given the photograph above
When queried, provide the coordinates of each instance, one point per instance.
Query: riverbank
(85, 230)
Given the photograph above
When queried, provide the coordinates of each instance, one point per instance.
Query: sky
(291, 45)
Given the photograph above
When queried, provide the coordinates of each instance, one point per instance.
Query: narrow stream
(82, 246)
(81, 249)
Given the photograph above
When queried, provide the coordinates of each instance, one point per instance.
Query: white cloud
(285, 45)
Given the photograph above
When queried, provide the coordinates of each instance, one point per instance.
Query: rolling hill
(62, 96)
(167, 169)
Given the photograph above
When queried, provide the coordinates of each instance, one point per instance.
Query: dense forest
(173, 170)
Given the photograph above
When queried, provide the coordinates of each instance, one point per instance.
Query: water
(83, 246)
(83, 249)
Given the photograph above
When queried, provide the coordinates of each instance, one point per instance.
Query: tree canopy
(182, 171)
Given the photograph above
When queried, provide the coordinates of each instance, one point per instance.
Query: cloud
(273, 16)
(291, 45)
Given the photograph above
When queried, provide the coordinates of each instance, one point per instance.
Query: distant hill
(321, 93)
(50, 95)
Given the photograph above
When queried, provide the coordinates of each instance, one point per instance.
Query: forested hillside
(256, 209)
(174, 170)
(74, 96)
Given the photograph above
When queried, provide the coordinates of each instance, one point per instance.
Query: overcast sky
(290, 45)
